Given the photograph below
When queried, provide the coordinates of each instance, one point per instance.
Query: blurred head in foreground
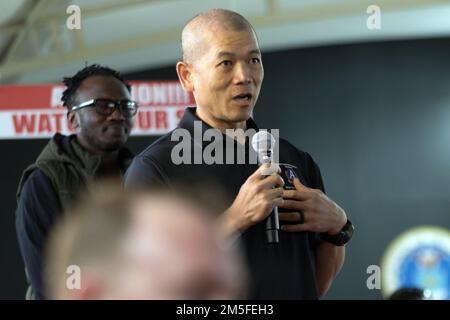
(408, 294)
(145, 245)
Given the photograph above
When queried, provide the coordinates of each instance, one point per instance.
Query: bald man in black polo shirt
(223, 69)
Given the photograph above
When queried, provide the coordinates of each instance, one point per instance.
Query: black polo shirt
(277, 271)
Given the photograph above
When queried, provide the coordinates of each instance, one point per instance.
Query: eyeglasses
(106, 107)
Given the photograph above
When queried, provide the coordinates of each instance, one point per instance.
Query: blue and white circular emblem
(419, 258)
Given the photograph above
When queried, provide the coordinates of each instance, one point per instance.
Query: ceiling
(36, 46)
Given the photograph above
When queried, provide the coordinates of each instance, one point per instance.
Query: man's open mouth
(243, 96)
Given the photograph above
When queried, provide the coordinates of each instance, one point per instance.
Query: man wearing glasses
(101, 112)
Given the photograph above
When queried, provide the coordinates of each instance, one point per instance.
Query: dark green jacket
(69, 168)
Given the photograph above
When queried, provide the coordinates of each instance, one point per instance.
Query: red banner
(35, 111)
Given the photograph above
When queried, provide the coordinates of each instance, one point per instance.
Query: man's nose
(242, 74)
(117, 114)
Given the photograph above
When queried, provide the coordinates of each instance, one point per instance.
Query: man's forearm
(329, 261)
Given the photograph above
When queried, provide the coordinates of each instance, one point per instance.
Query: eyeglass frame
(91, 103)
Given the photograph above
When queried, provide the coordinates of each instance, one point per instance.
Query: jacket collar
(67, 149)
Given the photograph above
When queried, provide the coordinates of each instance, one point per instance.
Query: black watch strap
(342, 237)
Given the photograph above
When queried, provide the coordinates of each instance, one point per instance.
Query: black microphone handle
(272, 223)
(272, 227)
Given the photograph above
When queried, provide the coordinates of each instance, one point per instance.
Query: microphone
(263, 143)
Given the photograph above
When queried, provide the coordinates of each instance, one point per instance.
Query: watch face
(345, 237)
(350, 229)
(348, 232)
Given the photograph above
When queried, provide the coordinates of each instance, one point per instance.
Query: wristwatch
(342, 237)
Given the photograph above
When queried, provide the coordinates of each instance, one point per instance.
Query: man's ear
(185, 75)
(73, 120)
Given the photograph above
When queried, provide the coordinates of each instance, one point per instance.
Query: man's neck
(222, 126)
(109, 159)
(109, 164)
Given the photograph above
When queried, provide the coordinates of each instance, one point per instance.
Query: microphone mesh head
(262, 142)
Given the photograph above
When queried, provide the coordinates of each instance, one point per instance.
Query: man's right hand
(256, 199)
